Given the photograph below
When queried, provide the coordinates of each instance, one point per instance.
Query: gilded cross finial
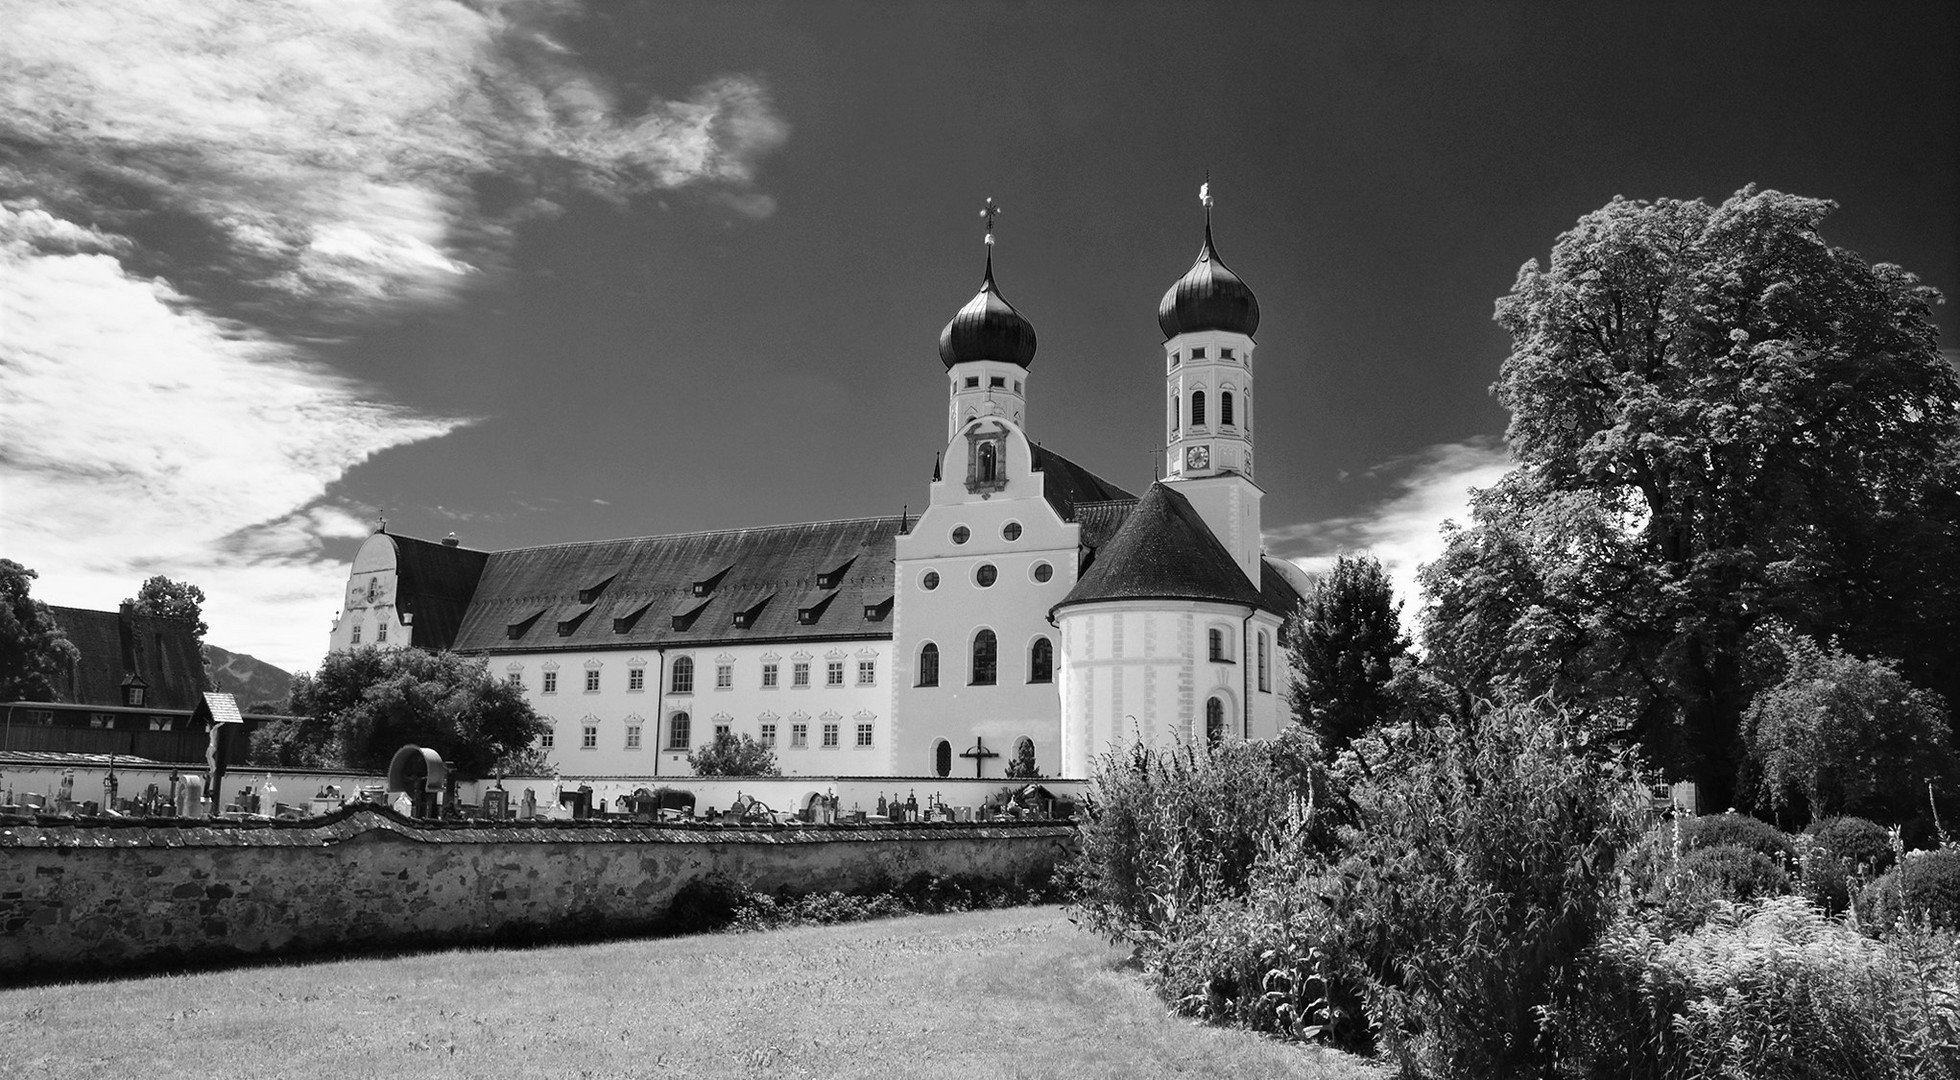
(1204, 190)
(990, 212)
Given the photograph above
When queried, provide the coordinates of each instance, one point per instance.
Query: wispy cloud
(190, 189)
(1403, 530)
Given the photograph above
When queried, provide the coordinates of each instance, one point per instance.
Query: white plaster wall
(374, 564)
(745, 705)
(1015, 607)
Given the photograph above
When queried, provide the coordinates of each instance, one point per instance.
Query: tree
(375, 700)
(1845, 735)
(1023, 766)
(734, 755)
(33, 650)
(1343, 644)
(1748, 423)
(160, 597)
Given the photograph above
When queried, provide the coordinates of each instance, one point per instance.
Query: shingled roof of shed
(1163, 551)
(656, 576)
(114, 645)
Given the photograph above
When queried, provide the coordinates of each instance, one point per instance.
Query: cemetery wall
(83, 898)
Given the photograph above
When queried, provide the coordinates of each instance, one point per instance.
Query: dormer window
(590, 592)
(133, 696)
(830, 579)
(705, 586)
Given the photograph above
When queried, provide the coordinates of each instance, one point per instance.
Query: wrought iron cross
(979, 754)
(990, 212)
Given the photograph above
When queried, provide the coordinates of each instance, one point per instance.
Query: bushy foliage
(734, 755)
(1861, 841)
(1741, 830)
(1768, 990)
(376, 700)
(1924, 887)
(1169, 832)
(1842, 733)
(1734, 872)
(33, 650)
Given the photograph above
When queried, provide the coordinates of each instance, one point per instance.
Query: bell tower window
(1197, 408)
(986, 462)
(1225, 408)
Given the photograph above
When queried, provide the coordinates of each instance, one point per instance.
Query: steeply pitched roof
(653, 582)
(435, 583)
(1069, 485)
(115, 645)
(1163, 551)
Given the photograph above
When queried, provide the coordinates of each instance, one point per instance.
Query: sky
(531, 272)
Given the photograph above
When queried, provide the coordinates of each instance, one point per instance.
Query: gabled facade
(1033, 607)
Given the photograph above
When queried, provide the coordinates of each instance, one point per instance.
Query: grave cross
(979, 754)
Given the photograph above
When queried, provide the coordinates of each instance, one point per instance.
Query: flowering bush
(1924, 887)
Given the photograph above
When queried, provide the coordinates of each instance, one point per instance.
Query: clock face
(1197, 457)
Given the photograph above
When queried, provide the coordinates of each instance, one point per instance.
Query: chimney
(450, 540)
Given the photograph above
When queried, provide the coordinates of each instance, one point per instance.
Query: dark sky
(696, 354)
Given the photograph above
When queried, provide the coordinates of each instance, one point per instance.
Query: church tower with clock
(1208, 318)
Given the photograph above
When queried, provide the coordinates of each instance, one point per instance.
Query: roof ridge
(688, 535)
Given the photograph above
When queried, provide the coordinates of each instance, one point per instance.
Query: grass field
(1013, 993)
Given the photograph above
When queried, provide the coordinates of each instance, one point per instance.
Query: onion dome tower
(1208, 318)
(987, 348)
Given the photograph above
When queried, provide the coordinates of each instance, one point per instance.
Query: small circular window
(986, 575)
(1043, 571)
(1011, 531)
(930, 581)
(961, 534)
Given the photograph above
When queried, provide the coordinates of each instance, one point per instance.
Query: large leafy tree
(366, 703)
(1719, 418)
(165, 598)
(33, 650)
(1343, 644)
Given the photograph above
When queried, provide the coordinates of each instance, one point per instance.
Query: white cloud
(326, 154)
(1403, 530)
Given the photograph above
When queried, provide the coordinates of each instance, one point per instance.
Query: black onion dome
(987, 328)
(1208, 297)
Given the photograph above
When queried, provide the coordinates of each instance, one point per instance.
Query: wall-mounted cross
(979, 753)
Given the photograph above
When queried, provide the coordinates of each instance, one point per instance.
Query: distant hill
(250, 681)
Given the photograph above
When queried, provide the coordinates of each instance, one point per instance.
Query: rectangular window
(1224, 354)
(724, 676)
(833, 673)
(864, 735)
(632, 736)
(683, 676)
(546, 740)
(590, 740)
(591, 680)
(769, 735)
(515, 679)
(357, 634)
(799, 736)
(722, 729)
(997, 382)
(1265, 679)
(799, 674)
(867, 672)
(679, 731)
(1198, 353)
(830, 736)
(769, 676)
(1175, 357)
(381, 631)
(550, 682)
(636, 679)
(973, 382)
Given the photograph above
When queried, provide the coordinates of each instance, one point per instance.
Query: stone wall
(88, 897)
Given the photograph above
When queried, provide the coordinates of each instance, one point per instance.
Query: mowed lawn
(1014, 993)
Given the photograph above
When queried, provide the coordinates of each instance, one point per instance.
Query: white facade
(368, 614)
(989, 556)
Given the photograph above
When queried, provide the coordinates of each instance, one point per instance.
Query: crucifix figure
(979, 754)
(990, 212)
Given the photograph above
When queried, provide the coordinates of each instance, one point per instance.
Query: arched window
(1265, 672)
(678, 731)
(1024, 756)
(1197, 408)
(1214, 721)
(684, 676)
(1177, 407)
(1041, 661)
(928, 664)
(1216, 638)
(1225, 408)
(986, 658)
(942, 758)
(989, 468)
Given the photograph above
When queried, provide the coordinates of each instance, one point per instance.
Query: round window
(986, 575)
(1011, 531)
(1043, 571)
(961, 534)
(930, 581)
